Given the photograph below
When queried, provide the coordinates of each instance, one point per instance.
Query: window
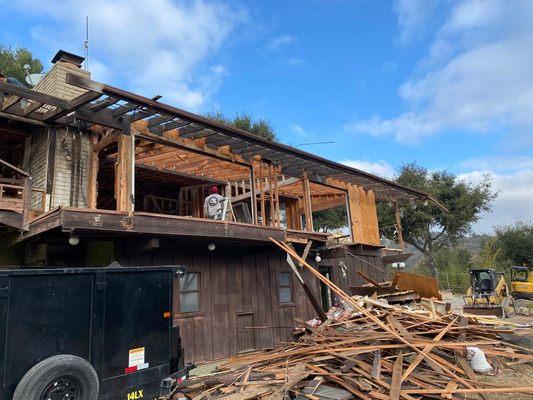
(189, 293)
(285, 287)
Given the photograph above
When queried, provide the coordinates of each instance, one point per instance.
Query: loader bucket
(497, 311)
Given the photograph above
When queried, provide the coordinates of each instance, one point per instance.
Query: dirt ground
(519, 375)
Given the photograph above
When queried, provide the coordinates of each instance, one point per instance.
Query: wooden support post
(271, 197)
(253, 196)
(308, 212)
(398, 224)
(124, 174)
(27, 202)
(276, 193)
(349, 216)
(262, 193)
(92, 182)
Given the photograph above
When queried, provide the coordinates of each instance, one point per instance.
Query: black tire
(59, 374)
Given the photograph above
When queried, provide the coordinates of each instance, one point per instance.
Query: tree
(515, 242)
(427, 226)
(12, 61)
(246, 122)
(453, 264)
(331, 219)
(490, 254)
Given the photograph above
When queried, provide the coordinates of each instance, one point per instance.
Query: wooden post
(253, 197)
(92, 182)
(271, 197)
(349, 216)
(262, 194)
(276, 193)
(308, 212)
(398, 223)
(124, 174)
(27, 202)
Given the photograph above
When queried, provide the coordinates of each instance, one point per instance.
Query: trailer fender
(58, 376)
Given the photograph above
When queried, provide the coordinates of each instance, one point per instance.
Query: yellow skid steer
(487, 294)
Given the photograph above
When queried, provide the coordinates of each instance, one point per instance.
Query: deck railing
(16, 195)
(12, 195)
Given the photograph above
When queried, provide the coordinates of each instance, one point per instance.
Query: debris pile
(369, 350)
(404, 355)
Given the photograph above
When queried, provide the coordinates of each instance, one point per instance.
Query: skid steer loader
(487, 294)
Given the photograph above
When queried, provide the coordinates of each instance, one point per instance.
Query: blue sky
(447, 84)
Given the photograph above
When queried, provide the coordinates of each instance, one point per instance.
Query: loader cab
(484, 281)
(519, 273)
(521, 282)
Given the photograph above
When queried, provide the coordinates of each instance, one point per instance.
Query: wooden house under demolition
(92, 174)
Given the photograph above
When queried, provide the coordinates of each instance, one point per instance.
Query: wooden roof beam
(189, 144)
(73, 104)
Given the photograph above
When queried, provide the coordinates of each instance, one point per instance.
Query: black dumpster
(87, 333)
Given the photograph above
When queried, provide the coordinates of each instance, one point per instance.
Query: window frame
(198, 290)
(290, 285)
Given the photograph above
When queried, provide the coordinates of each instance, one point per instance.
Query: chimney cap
(63, 55)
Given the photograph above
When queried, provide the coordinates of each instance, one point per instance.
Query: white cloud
(412, 15)
(282, 49)
(515, 191)
(380, 168)
(499, 163)
(155, 46)
(280, 41)
(476, 76)
(297, 129)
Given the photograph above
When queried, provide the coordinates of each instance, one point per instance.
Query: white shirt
(213, 204)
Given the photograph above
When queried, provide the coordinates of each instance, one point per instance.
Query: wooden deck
(82, 220)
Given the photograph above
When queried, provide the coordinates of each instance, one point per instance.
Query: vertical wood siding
(238, 291)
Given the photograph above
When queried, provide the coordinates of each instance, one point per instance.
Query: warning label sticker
(136, 357)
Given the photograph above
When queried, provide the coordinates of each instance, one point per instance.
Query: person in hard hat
(213, 204)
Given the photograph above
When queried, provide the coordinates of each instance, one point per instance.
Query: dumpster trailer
(88, 333)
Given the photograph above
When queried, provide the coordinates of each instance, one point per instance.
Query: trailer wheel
(59, 377)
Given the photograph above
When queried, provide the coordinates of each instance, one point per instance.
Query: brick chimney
(54, 83)
(66, 57)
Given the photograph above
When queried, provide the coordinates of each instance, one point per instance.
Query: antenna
(86, 43)
(313, 143)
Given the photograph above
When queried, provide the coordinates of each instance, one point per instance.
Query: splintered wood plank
(521, 389)
(427, 350)
(369, 280)
(396, 382)
(450, 386)
(376, 365)
(398, 326)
